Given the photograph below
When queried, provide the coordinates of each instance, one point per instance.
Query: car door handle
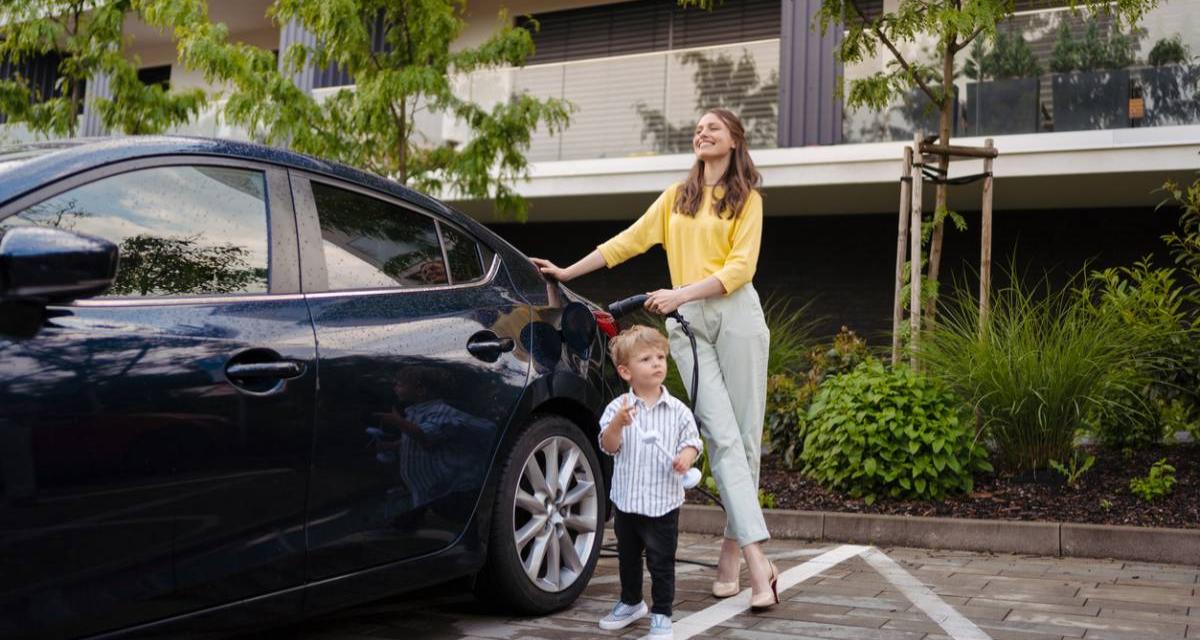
(262, 370)
(487, 346)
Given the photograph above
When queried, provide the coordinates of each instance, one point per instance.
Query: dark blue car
(240, 385)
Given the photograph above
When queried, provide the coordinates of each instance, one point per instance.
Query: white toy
(691, 478)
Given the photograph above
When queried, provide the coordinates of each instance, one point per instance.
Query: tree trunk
(944, 122)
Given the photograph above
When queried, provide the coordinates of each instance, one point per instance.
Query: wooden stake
(906, 179)
(985, 238)
(914, 311)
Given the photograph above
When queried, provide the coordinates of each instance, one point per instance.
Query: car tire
(545, 536)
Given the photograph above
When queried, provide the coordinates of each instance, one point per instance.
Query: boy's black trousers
(658, 537)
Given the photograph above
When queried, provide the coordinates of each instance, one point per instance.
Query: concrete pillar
(292, 33)
(810, 111)
(97, 88)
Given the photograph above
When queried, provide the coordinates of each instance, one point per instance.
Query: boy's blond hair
(636, 338)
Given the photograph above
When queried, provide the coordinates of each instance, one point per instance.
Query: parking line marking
(952, 622)
(705, 619)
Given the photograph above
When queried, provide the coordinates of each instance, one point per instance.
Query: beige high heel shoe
(726, 589)
(766, 600)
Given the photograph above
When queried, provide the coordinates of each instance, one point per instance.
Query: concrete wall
(844, 264)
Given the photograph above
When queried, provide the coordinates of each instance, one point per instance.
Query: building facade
(1084, 138)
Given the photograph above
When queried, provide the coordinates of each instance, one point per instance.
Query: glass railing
(632, 105)
(1057, 70)
(645, 104)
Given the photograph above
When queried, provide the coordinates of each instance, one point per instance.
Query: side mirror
(45, 265)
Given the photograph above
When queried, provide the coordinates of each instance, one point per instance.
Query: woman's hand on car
(550, 270)
(665, 301)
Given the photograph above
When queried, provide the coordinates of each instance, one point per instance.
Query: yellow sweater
(697, 247)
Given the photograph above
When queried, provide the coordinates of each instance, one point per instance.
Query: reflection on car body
(236, 380)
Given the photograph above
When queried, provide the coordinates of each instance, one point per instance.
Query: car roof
(26, 167)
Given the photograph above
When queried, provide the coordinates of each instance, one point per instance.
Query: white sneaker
(660, 626)
(623, 615)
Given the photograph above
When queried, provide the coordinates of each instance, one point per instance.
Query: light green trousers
(732, 341)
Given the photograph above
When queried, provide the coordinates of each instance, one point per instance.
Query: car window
(180, 230)
(463, 254)
(369, 243)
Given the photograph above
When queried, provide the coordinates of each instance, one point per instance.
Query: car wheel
(547, 528)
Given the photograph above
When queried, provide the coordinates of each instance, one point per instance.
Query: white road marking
(705, 619)
(955, 625)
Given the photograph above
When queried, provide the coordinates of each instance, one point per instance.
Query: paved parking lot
(838, 592)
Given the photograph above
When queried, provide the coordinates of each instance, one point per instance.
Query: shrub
(1184, 245)
(1158, 483)
(1179, 416)
(878, 432)
(788, 397)
(787, 406)
(1149, 305)
(1009, 57)
(1169, 51)
(1096, 50)
(1038, 367)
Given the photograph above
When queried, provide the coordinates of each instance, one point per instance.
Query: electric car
(239, 384)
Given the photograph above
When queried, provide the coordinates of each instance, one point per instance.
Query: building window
(40, 74)
(335, 76)
(160, 76)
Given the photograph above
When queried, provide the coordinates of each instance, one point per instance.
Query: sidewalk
(950, 595)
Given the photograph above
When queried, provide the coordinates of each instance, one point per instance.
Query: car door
(421, 367)
(155, 440)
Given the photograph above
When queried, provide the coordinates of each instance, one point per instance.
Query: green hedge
(878, 432)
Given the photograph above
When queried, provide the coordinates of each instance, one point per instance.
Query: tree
(82, 39)
(952, 25)
(371, 125)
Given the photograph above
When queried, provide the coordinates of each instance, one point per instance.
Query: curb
(1145, 544)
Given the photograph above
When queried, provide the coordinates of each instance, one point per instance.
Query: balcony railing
(1087, 74)
(644, 104)
(630, 105)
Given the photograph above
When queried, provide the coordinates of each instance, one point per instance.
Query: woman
(711, 228)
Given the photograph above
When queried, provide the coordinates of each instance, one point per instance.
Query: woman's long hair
(740, 179)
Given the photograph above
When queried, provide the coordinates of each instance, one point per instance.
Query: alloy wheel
(555, 514)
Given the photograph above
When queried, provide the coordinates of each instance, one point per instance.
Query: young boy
(647, 487)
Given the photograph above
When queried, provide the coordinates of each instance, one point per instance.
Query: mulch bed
(1005, 497)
